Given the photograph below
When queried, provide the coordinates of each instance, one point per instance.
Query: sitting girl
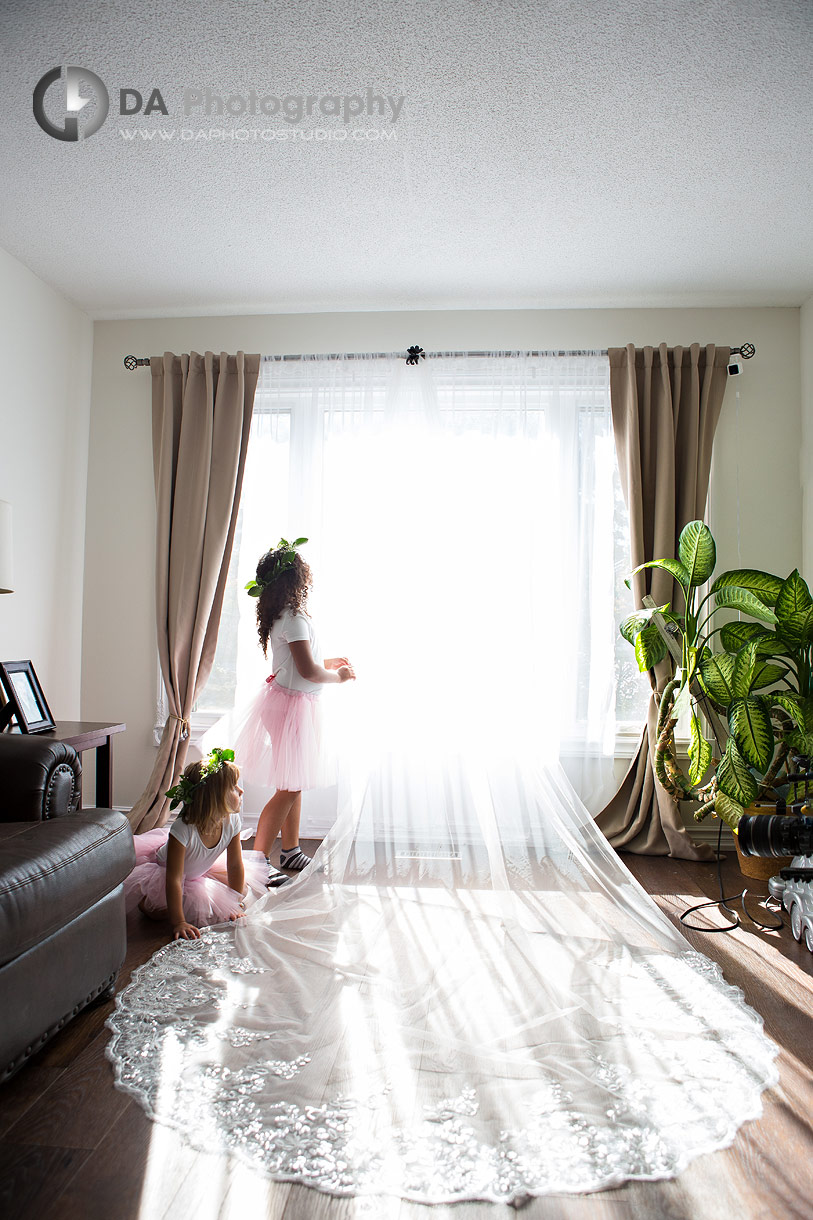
(194, 872)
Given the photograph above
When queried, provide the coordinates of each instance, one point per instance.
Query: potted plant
(751, 689)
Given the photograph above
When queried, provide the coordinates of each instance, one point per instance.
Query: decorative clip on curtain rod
(415, 354)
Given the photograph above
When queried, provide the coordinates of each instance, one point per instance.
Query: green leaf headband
(285, 560)
(184, 790)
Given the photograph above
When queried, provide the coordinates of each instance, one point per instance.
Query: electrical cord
(723, 902)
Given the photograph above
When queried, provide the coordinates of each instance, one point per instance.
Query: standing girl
(279, 737)
(193, 872)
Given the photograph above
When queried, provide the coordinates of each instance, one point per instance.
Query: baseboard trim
(707, 832)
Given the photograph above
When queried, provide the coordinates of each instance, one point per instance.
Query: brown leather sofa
(62, 923)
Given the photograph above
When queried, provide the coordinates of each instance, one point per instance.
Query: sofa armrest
(50, 873)
(40, 778)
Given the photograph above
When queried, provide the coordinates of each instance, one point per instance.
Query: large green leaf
(735, 598)
(806, 704)
(797, 630)
(699, 752)
(791, 703)
(750, 723)
(744, 664)
(727, 809)
(801, 742)
(773, 645)
(794, 610)
(697, 552)
(766, 675)
(762, 584)
(752, 673)
(794, 596)
(734, 777)
(650, 647)
(800, 708)
(734, 636)
(673, 566)
(636, 622)
(716, 674)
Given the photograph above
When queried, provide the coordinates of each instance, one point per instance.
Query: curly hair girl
(279, 733)
(287, 591)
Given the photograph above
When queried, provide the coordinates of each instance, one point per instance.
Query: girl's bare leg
(274, 813)
(290, 827)
(159, 914)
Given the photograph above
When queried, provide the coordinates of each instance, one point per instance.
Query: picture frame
(25, 699)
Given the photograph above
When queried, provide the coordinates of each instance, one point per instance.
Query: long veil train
(465, 996)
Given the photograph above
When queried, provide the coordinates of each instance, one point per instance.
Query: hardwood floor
(72, 1147)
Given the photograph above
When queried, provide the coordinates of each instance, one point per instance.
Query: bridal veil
(466, 995)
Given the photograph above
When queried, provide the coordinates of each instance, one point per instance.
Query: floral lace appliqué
(629, 1102)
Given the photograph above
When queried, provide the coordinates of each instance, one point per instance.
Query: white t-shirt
(287, 629)
(199, 858)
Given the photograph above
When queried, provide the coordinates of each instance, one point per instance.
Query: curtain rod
(415, 353)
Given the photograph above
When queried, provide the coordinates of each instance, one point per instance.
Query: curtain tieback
(183, 722)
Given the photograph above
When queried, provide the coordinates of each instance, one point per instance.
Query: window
(483, 490)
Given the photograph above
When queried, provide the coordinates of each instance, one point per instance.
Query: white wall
(46, 347)
(806, 349)
(756, 480)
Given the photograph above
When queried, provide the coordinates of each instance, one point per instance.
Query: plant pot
(760, 868)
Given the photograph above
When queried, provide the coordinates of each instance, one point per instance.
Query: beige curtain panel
(665, 406)
(201, 417)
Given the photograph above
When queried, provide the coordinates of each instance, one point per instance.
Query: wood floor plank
(775, 1169)
(251, 1194)
(21, 1092)
(133, 1174)
(200, 1187)
(205, 1185)
(32, 1177)
(78, 1110)
(702, 1192)
(306, 1204)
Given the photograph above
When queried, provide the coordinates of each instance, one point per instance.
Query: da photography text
(87, 95)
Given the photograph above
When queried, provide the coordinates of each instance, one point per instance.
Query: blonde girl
(193, 873)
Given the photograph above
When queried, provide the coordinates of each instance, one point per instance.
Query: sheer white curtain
(460, 516)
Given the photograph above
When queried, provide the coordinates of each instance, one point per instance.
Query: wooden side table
(91, 735)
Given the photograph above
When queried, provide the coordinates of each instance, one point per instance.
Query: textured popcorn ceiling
(546, 154)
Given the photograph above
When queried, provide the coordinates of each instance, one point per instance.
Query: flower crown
(185, 789)
(285, 555)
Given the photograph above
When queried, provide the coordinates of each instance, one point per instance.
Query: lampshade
(6, 566)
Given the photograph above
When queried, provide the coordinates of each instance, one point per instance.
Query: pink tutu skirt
(278, 740)
(207, 899)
